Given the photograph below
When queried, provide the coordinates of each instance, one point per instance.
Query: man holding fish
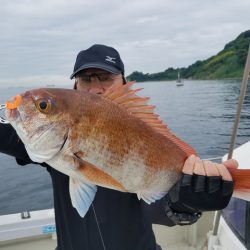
(103, 134)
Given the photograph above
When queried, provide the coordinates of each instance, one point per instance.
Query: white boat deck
(49, 244)
(170, 238)
(34, 243)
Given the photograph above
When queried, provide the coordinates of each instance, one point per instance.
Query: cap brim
(106, 67)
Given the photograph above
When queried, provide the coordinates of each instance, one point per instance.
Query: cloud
(39, 40)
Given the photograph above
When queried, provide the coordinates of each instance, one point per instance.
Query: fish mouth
(11, 111)
(12, 115)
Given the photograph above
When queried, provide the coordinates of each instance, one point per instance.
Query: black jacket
(118, 220)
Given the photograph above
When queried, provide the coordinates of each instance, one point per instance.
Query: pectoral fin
(82, 195)
(97, 176)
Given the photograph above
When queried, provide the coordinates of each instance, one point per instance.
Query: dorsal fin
(125, 96)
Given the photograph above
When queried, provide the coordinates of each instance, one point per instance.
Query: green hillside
(228, 63)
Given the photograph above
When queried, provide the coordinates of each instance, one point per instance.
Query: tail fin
(241, 179)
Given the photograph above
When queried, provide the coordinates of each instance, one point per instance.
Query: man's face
(96, 80)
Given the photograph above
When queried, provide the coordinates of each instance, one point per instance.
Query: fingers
(204, 185)
(211, 168)
(199, 167)
(194, 165)
(224, 172)
(188, 167)
(223, 169)
(231, 163)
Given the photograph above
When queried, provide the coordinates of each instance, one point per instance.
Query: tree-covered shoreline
(227, 64)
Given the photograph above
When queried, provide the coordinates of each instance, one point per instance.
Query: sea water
(200, 112)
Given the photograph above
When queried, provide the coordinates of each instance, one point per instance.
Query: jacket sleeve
(11, 144)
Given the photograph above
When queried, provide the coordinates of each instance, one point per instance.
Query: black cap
(101, 57)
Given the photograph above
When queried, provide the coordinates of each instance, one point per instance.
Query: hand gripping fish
(114, 140)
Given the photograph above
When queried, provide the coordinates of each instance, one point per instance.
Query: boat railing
(27, 224)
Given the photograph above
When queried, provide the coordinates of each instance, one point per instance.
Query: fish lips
(12, 114)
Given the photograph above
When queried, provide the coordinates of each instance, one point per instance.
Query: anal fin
(150, 197)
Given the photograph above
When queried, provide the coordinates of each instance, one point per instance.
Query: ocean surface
(201, 112)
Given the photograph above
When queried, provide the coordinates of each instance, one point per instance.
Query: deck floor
(49, 244)
(167, 237)
(31, 244)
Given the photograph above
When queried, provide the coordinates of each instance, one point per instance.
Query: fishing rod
(235, 128)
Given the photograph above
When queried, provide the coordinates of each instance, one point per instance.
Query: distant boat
(179, 81)
(179, 84)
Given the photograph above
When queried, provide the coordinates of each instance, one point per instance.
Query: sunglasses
(102, 77)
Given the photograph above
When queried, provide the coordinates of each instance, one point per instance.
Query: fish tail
(241, 179)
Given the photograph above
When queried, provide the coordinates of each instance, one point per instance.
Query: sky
(39, 40)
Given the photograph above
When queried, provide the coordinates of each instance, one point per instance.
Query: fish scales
(115, 141)
(106, 124)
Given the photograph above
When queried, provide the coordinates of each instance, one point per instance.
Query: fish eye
(43, 105)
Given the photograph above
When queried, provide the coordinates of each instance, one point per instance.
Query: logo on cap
(110, 59)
